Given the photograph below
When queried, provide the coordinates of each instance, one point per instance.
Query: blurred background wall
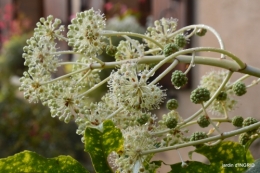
(237, 22)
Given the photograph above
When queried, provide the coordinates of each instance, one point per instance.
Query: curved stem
(205, 27)
(113, 33)
(65, 76)
(191, 63)
(165, 72)
(210, 139)
(211, 122)
(254, 82)
(197, 49)
(114, 113)
(94, 87)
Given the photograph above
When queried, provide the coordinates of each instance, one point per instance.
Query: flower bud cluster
(84, 33)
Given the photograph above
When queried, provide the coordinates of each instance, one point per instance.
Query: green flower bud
(249, 121)
(111, 50)
(180, 40)
(244, 138)
(222, 96)
(171, 122)
(143, 119)
(200, 95)
(239, 88)
(179, 79)
(172, 104)
(170, 49)
(198, 136)
(203, 121)
(201, 32)
(237, 121)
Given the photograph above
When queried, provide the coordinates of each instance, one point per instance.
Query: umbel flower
(136, 140)
(49, 28)
(161, 32)
(64, 100)
(31, 85)
(84, 33)
(41, 54)
(131, 90)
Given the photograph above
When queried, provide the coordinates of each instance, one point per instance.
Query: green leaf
(224, 158)
(99, 144)
(254, 168)
(28, 161)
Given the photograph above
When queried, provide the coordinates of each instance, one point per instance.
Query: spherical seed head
(237, 121)
(172, 104)
(222, 96)
(198, 136)
(200, 95)
(180, 40)
(179, 79)
(111, 50)
(201, 32)
(249, 121)
(143, 119)
(170, 49)
(239, 88)
(203, 121)
(244, 138)
(171, 122)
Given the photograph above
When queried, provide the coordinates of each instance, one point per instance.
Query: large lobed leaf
(28, 161)
(225, 157)
(99, 144)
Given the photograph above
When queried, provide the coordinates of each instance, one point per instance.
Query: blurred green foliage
(25, 126)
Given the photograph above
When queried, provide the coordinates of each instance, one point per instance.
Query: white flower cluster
(84, 33)
(129, 88)
(136, 140)
(161, 32)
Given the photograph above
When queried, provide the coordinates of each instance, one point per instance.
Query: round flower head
(41, 54)
(64, 100)
(49, 28)
(223, 102)
(161, 32)
(84, 33)
(136, 140)
(130, 89)
(31, 86)
(130, 50)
